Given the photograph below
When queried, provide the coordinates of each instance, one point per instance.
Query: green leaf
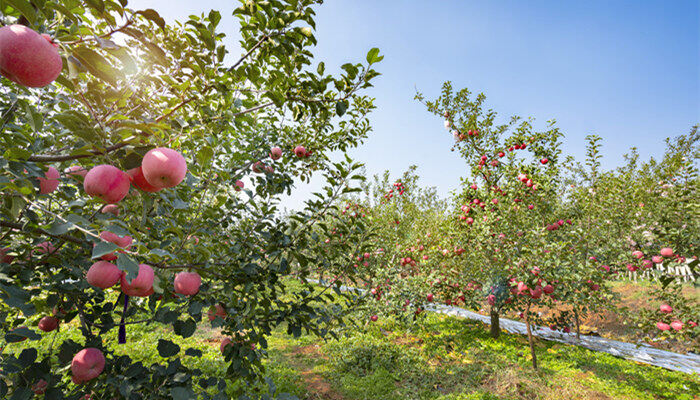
(193, 352)
(182, 393)
(166, 348)
(131, 267)
(24, 7)
(152, 15)
(97, 65)
(373, 56)
(103, 248)
(204, 155)
(341, 107)
(185, 328)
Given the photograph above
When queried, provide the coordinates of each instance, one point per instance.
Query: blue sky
(627, 71)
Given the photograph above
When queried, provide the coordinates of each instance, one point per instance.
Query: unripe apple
(88, 364)
(50, 181)
(75, 171)
(666, 309)
(123, 242)
(163, 167)
(47, 324)
(677, 325)
(111, 209)
(107, 182)
(140, 181)
(187, 283)
(28, 58)
(103, 275)
(275, 153)
(300, 151)
(216, 310)
(142, 285)
(666, 252)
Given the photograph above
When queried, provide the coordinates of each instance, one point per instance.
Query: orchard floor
(452, 359)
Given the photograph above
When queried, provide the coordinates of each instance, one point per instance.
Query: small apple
(275, 153)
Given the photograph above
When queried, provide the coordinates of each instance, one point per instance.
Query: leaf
(204, 155)
(166, 348)
(103, 248)
(24, 7)
(97, 65)
(192, 352)
(131, 267)
(214, 17)
(152, 15)
(373, 56)
(185, 328)
(181, 393)
(341, 107)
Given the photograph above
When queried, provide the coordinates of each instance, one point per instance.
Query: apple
(187, 283)
(28, 58)
(47, 324)
(530, 206)
(4, 258)
(374, 318)
(275, 153)
(258, 167)
(50, 181)
(163, 167)
(657, 259)
(45, 247)
(216, 310)
(666, 252)
(224, 343)
(75, 171)
(666, 309)
(122, 241)
(111, 209)
(140, 181)
(107, 182)
(88, 364)
(40, 387)
(103, 274)
(142, 285)
(677, 325)
(637, 254)
(300, 151)
(430, 297)
(663, 326)
(544, 161)
(548, 289)
(239, 185)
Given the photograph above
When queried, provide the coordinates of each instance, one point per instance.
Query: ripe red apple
(544, 161)
(40, 387)
(88, 364)
(470, 220)
(140, 181)
(374, 318)
(666, 309)
(224, 343)
(4, 258)
(107, 182)
(28, 58)
(677, 325)
(142, 285)
(637, 254)
(187, 283)
(430, 297)
(258, 167)
(47, 324)
(666, 252)
(275, 153)
(300, 151)
(501, 154)
(103, 274)
(45, 247)
(216, 311)
(548, 289)
(123, 242)
(111, 209)
(50, 181)
(163, 167)
(239, 185)
(657, 259)
(530, 206)
(75, 171)
(663, 326)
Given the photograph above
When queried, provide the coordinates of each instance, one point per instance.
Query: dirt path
(315, 384)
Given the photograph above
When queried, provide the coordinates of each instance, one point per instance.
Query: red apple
(544, 161)
(47, 324)
(637, 254)
(111, 209)
(677, 325)
(142, 285)
(663, 326)
(50, 181)
(140, 181)
(549, 289)
(666, 252)
(40, 387)
(4, 258)
(187, 283)
(430, 297)
(374, 318)
(103, 275)
(666, 309)
(123, 242)
(275, 153)
(75, 171)
(28, 58)
(163, 167)
(107, 182)
(657, 259)
(88, 364)
(45, 247)
(239, 185)
(300, 151)
(216, 311)
(224, 343)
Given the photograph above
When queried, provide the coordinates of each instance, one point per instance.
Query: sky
(628, 71)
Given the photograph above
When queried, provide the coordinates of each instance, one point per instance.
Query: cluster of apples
(676, 325)
(665, 253)
(541, 287)
(556, 225)
(399, 188)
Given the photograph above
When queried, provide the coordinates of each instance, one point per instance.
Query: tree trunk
(578, 325)
(495, 324)
(530, 339)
